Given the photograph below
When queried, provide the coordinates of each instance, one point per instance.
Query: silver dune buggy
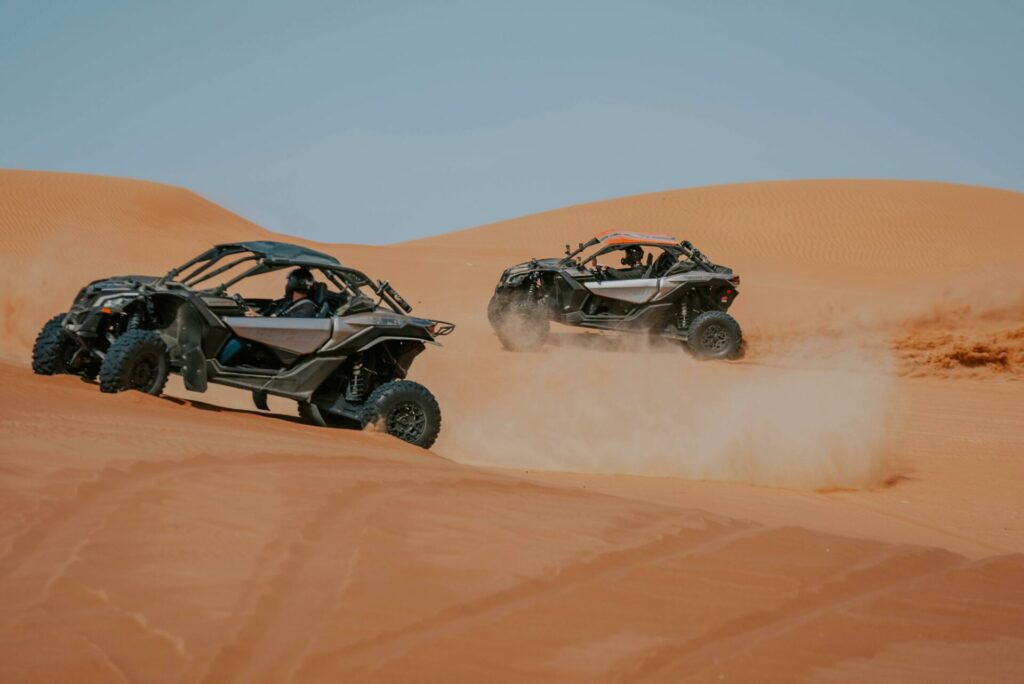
(345, 365)
(666, 288)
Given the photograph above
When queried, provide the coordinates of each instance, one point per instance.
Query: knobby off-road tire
(715, 335)
(404, 409)
(136, 360)
(53, 348)
(314, 415)
(520, 325)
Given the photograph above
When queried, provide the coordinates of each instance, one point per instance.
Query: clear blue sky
(383, 121)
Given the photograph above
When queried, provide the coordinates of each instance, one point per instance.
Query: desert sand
(841, 505)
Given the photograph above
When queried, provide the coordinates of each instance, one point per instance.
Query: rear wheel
(137, 360)
(404, 409)
(519, 324)
(715, 335)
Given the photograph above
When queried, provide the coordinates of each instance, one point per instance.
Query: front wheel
(715, 335)
(137, 360)
(53, 348)
(519, 324)
(404, 409)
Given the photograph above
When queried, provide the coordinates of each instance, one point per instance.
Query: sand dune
(233, 547)
(62, 230)
(176, 539)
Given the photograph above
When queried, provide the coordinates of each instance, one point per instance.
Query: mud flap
(259, 398)
(190, 340)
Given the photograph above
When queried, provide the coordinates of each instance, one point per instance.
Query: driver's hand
(243, 305)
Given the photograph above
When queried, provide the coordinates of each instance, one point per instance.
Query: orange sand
(841, 505)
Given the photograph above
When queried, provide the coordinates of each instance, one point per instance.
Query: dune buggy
(667, 288)
(345, 366)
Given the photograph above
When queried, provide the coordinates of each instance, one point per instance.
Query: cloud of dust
(26, 303)
(814, 417)
(37, 282)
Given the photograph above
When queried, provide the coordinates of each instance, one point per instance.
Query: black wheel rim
(407, 421)
(144, 372)
(714, 338)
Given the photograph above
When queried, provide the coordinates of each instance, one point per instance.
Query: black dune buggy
(345, 366)
(667, 288)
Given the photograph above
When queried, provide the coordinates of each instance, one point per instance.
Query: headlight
(386, 322)
(115, 303)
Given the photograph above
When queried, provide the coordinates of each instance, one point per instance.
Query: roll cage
(266, 257)
(611, 241)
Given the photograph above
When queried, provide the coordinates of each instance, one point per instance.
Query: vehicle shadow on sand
(216, 408)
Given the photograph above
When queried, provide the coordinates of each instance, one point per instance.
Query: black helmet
(634, 255)
(299, 280)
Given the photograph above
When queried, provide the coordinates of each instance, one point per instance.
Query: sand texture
(843, 504)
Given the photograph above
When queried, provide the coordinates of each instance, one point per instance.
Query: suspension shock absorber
(684, 313)
(135, 322)
(356, 385)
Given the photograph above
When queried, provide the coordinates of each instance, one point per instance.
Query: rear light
(735, 280)
(432, 329)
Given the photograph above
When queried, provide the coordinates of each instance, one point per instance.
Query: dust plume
(814, 417)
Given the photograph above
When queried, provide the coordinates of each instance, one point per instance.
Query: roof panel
(285, 252)
(616, 237)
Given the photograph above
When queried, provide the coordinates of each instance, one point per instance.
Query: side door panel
(639, 291)
(295, 335)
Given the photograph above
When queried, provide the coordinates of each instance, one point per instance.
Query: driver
(633, 261)
(296, 304)
(297, 290)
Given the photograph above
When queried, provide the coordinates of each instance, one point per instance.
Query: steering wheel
(246, 308)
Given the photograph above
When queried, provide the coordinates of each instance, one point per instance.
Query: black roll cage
(682, 249)
(347, 280)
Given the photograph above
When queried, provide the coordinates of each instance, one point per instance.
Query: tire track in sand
(608, 565)
(890, 569)
(43, 552)
(273, 636)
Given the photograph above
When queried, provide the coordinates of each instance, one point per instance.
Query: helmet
(634, 255)
(299, 280)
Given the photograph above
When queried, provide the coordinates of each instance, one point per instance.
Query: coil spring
(135, 322)
(356, 385)
(684, 312)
